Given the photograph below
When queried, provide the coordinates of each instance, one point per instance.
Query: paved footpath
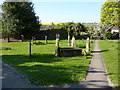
(96, 76)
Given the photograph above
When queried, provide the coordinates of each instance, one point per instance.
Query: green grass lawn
(110, 54)
(44, 68)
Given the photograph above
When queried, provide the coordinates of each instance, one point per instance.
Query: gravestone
(73, 44)
(46, 40)
(57, 52)
(68, 40)
(88, 45)
(33, 39)
(22, 37)
(59, 37)
(57, 42)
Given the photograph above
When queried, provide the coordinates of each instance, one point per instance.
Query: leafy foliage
(110, 13)
(114, 35)
(19, 19)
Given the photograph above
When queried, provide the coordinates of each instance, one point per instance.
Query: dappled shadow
(43, 58)
(51, 42)
(39, 43)
(117, 88)
(41, 70)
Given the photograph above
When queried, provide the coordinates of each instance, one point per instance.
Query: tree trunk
(8, 39)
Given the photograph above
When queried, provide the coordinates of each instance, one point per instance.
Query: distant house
(114, 29)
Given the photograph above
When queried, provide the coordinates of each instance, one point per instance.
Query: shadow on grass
(99, 51)
(117, 88)
(51, 42)
(43, 58)
(39, 43)
(42, 70)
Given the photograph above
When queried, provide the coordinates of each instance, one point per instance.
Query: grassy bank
(44, 68)
(110, 54)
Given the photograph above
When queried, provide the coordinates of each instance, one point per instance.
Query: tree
(80, 28)
(19, 19)
(110, 13)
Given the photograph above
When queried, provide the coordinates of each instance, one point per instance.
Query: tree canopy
(19, 19)
(110, 13)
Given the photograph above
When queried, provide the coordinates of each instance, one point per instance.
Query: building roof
(115, 28)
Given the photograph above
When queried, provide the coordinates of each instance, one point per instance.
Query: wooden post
(30, 55)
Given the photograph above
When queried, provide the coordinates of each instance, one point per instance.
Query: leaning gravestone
(73, 44)
(88, 45)
(46, 40)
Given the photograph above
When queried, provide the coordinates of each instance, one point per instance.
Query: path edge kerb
(109, 81)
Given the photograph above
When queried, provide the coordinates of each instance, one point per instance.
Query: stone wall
(51, 34)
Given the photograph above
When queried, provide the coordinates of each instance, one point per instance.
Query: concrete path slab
(97, 77)
(11, 79)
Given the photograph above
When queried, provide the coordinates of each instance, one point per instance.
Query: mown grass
(110, 54)
(44, 68)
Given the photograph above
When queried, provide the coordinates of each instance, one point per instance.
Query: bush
(114, 35)
(108, 35)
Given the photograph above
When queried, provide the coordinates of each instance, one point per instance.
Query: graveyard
(44, 68)
(69, 53)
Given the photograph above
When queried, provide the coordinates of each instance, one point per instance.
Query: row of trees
(18, 18)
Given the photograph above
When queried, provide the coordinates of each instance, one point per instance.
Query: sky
(59, 11)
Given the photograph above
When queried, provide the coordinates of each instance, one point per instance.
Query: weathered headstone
(73, 44)
(32, 38)
(88, 45)
(22, 37)
(68, 40)
(59, 37)
(57, 42)
(57, 52)
(46, 40)
(56, 35)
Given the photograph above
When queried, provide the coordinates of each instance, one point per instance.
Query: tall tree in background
(110, 12)
(19, 19)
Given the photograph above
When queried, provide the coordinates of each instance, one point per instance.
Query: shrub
(108, 35)
(115, 35)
